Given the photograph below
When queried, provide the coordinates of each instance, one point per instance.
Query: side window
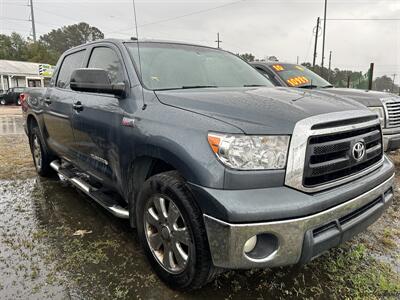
(106, 59)
(70, 63)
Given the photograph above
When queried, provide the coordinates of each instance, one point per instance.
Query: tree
(13, 47)
(247, 57)
(62, 39)
(384, 83)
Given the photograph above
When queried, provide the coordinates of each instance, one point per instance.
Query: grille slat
(393, 113)
(330, 157)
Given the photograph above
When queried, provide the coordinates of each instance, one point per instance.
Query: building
(24, 74)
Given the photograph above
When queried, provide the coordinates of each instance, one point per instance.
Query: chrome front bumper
(295, 236)
(391, 138)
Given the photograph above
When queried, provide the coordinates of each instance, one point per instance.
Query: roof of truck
(121, 41)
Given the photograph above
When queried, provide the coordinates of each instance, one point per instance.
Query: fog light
(250, 244)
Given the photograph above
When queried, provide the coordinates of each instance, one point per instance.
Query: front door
(97, 119)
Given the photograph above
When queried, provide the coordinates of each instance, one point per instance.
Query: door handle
(47, 100)
(77, 106)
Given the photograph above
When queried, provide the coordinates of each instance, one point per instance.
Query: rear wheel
(171, 230)
(40, 155)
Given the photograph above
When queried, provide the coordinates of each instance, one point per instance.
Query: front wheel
(171, 230)
(3, 102)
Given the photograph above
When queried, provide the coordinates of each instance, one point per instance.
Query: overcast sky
(283, 28)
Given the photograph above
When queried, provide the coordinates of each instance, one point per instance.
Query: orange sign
(296, 81)
(278, 67)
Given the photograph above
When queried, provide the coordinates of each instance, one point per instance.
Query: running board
(102, 199)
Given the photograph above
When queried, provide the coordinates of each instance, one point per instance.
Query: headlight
(248, 152)
(381, 114)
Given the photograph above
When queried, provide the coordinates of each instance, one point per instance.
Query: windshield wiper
(253, 85)
(327, 86)
(198, 86)
(187, 87)
(309, 86)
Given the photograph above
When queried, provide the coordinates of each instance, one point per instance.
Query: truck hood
(368, 98)
(256, 110)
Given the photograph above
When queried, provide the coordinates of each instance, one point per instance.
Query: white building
(24, 74)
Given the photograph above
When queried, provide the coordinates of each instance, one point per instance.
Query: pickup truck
(385, 105)
(214, 167)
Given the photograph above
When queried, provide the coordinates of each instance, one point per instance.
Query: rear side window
(106, 59)
(70, 63)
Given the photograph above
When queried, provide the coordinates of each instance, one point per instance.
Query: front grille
(330, 157)
(393, 113)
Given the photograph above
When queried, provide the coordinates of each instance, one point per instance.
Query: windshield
(299, 76)
(175, 66)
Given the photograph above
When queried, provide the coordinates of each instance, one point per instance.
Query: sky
(283, 28)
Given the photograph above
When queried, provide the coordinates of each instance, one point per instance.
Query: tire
(175, 271)
(41, 157)
(18, 102)
(3, 102)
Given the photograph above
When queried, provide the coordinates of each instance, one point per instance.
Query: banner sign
(46, 70)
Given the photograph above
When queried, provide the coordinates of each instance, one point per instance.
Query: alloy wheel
(167, 234)
(37, 152)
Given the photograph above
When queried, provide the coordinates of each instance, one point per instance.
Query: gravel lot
(55, 243)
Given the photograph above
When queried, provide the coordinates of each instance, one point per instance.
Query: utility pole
(330, 62)
(370, 76)
(323, 40)
(297, 59)
(33, 21)
(394, 78)
(218, 41)
(316, 42)
(348, 80)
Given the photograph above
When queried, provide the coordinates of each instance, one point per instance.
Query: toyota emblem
(358, 151)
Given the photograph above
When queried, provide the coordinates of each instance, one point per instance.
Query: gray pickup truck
(385, 105)
(216, 168)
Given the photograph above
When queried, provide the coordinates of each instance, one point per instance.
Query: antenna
(138, 48)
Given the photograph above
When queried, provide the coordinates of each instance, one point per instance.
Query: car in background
(385, 105)
(12, 96)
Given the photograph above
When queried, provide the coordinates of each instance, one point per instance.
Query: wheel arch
(148, 164)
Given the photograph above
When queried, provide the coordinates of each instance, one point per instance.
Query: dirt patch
(10, 110)
(15, 159)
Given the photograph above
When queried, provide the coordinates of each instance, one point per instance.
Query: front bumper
(299, 239)
(391, 139)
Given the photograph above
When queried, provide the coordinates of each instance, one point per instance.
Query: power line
(364, 19)
(182, 16)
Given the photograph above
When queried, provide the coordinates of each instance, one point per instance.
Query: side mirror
(95, 81)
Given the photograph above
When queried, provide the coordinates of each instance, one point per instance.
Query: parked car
(12, 96)
(216, 168)
(385, 105)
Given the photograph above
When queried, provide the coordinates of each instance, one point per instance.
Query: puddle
(11, 125)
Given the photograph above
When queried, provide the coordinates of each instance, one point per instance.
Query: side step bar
(105, 201)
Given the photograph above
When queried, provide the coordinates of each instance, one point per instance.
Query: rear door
(97, 123)
(58, 107)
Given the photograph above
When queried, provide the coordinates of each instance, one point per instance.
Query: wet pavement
(55, 243)
(11, 125)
